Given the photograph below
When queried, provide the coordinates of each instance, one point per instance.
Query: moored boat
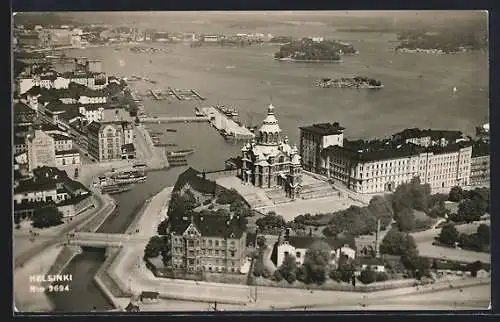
(116, 188)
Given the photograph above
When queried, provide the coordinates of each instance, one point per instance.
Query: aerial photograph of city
(250, 161)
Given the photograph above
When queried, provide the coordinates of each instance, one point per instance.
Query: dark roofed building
(314, 139)
(208, 242)
(324, 129)
(23, 114)
(480, 164)
(428, 137)
(128, 151)
(193, 180)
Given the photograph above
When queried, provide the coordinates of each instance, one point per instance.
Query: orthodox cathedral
(269, 161)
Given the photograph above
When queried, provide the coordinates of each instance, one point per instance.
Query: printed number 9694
(59, 288)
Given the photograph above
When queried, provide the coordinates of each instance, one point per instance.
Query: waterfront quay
(173, 119)
(226, 125)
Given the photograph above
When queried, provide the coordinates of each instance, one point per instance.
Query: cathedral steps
(317, 190)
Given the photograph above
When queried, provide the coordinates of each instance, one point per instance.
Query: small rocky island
(312, 50)
(349, 82)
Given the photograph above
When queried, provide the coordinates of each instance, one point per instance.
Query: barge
(116, 188)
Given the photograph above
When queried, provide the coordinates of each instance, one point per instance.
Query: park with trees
(480, 241)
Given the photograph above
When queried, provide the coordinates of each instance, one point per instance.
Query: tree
(261, 242)
(405, 219)
(469, 210)
(289, 268)
(381, 208)
(412, 195)
(270, 222)
(368, 276)
(163, 227)
(228, 196)
(456, 194)
(398, 243)
(277, 276)
(181, 205)
(316, 262)
(166, 252)
(47, 217)
(154, 247)
(474, 267)
(448, 235)
(418, 265)
(483, 232)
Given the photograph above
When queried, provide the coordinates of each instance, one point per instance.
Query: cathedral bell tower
(270, 132)
(295, 174)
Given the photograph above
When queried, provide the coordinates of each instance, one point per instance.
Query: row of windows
(219, 269)
(204, 242)
(208, 252)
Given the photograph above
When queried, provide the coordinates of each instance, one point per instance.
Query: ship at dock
(128, 177)
(178, 158)
(113, 189)
(228, 111)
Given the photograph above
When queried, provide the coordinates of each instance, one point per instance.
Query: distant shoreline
(434, 51)
(307, 60)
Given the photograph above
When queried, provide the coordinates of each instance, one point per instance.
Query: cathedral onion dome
(269, 132)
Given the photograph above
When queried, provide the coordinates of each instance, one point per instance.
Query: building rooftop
(324, 128)
(127, 148)
(433, 134)
(59, 137)
(75, 187)
(480, 148)
(67, 152)
(50, 174)
(70, 114)
(94, 127)
(195, 180)
(34, 186)
(211, 225)
(23, 114)
(386, 149)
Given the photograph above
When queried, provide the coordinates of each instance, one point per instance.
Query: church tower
(295, 174)
(270, 132)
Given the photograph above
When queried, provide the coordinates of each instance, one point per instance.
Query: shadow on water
(84, 295)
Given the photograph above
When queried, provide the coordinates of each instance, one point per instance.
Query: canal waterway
(417, 93)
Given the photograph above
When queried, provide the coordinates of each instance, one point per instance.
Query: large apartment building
(41, 150)
(315, 138)
(382, 165)
(105, 139)
(212, 243)
(480, 164)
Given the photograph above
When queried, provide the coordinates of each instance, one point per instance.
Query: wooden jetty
(173, 92)
(155, 95)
